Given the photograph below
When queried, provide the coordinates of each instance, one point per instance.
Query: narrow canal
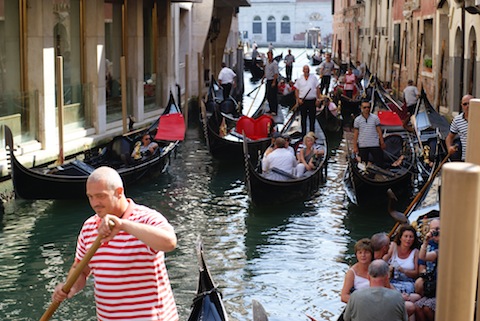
(292, 259)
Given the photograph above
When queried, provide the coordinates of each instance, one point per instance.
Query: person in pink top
(350, 81)
(129, 272)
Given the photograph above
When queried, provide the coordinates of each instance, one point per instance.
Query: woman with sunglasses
(144, 148)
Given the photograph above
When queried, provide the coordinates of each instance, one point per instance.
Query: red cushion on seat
(389, 118)
(255, 128)
(171, 127)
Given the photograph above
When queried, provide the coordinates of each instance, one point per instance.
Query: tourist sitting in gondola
(289, 147)
(286, 92)
(271, 148)
(356, 277)
(308, 155)
(403, 259)
(279, 165)
(328, 103)
(425, 285)
(144, 148)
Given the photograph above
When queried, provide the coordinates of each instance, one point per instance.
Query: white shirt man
(281, 158)
(226, 79)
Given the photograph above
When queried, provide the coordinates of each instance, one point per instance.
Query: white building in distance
(286, 23)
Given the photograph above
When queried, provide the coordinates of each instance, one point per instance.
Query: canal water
(292, 259)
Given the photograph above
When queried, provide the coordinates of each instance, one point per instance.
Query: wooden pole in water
(459, 242)
(419, 58)
(123, 79)
(440, 77)
(200, 75)
(187, 88)
(60, 104)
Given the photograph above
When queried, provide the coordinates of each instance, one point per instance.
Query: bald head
(465, 104)
(106, 175)
(279, 142)
(380, 244)
(378, 269)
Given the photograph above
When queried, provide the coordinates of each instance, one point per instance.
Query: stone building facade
(433, 42)
(286, 22)
(104, 52)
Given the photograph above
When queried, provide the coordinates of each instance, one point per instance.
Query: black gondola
(330, 123)
(431, 129)
(365, 182)
(266, 192)
(223, 132)
(67, 181)
(207, 304)
(315, 59)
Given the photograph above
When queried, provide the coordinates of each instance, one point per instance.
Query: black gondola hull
(207, 304)
(68, 180)
(265, 192)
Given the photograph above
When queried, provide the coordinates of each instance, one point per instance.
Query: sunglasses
(366, 107)
(147, 138)
(465, 104)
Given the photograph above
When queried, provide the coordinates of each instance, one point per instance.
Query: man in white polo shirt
(226, 79)
(367, 135)
(307, 93)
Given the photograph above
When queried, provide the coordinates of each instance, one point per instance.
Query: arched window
(271, 29)
(257, 25)
(285, 25)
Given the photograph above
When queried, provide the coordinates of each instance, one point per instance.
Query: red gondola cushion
(171, 127)
(255, 128)
(389, 118)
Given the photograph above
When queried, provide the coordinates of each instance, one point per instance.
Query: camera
(435, 233)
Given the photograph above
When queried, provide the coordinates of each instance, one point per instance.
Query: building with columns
(285, 23)
(103, 52)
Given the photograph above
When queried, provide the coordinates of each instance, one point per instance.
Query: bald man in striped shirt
(130, 276)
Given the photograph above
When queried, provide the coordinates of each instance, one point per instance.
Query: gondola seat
(119, 151)
(228, 107)
(389, 118)
(255, 128)
(393, 149)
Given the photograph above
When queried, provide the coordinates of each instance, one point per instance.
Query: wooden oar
(253, 101)
(425, 187)
(72, 278)
(294, 111)
(254, 90)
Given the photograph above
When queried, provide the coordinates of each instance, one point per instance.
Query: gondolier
(226, 79)
(132, 252)
(271, 74)
(289, 60)
(367, 135)
(307, 94)
(411, 95)
(459, 126)
(327, 67)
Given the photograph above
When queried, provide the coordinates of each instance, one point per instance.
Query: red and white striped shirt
(131, 280)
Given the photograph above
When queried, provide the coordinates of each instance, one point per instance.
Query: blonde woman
(307, 155)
